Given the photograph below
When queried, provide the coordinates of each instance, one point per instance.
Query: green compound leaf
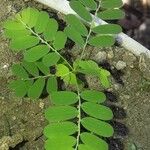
(107, 29)
(50, 30)
(93, 96)
(111, 14)
(52, 85)
(50, 59)
(81, 10)
(31, 68)
(19, 71)
(44, 69)
(89, 3)
(98, 127)
(102, 41)
(28, 31)
(60, 129)
(23, 42)
(20, 87)
(36, 89)
(77, 24)
(74, 35)
(97, 111)
(63, 98)
(65, 143)
(92, 141)
(36, 53)
(60, 40)
(111, 4)
(41, 22)
(60, 113)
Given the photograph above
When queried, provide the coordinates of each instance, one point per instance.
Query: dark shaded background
(137, 21)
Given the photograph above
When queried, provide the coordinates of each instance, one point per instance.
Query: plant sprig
(38, 37)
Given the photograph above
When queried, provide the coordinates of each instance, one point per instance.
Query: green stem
(90, 31)
(46, 76)
(79, 117)
(78, 90)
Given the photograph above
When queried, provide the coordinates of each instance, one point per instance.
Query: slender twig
(79, 117)
(78, 90)
(37, 77)
(49, 75)
(90, 30)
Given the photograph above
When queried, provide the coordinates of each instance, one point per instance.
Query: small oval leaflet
(63, 98)
(25, 15)
(111, 4)
(103, 75)
(111, 14)
(65, 143)
(84, 147)
(44, 69)
(19, 71)
(77, 24)
(88, 67)
(60, 40)
(36, 89)
(89, 3)
(93, 96)
(107, 29)
(74, 35)
(20, 87)
(81, 10)
(28, 16)
(67, 112)
(34, 14)
(31, 68)
(41, 22)
(23, 42)
(102, 41)
(62, 70)
(97, 111)
(50, 59)
(12, 34)
(13, 25)
(93, 141)
(36, 53)
(52, 85)
(98, 127)
(60, 129)
(50, 30)
(70, 79)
